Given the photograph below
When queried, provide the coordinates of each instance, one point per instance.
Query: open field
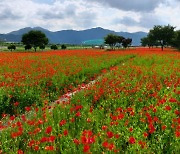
(132, 108)
(31, 78)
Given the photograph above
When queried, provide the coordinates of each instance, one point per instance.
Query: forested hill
(72, 36)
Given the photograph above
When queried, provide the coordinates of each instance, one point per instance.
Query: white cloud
(118, 15)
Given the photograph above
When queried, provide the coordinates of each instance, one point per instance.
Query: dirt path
(64, 99)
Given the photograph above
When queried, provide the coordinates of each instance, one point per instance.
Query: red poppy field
(131, 107)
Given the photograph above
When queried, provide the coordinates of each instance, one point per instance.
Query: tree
(54, 47)
(28, 47)
(35, 39)
(12, 47)
(176, 40)
(145, 41)
(111, 39)
(148, 41)
(63, 46)
(42, 47)
(114, 40)
(162, 34)
(126, 42)
(119, 40)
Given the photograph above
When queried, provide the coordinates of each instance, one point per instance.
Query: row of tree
(34, 39)
(55, 47)
(162, 36)
(117, 41)
(158, 36)
(28, 47)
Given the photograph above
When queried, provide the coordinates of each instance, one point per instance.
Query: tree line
(34, 39)
(117, 41)
(163, 36)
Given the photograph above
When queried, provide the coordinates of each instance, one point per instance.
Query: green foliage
(115, 40)
(126, 42)
(35, 39)
(176, 40)
(42, 46)
(12, 47)
(149, 41)
(54, 47)
(162, 35)
(28, 47)
(119, 40)
(111, 39)
(63, 46)
(144, 41)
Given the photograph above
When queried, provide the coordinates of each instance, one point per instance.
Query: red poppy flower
(48, 130)
(177, 133)
(154, 110)
(91, 140)
(177, 112)
(76, 141)
(104, 127)
(84, 139)
(20, 151)
(110, 134)
(78, 107)
(62, 122)
(88, 120)
(65, 132)
(36, 147)
(155, 119)
(130, 129)
(111, 146)
(167, 108)
(31, 143)
(143, 144)
(23, 117)
(16, 103)
(52, 138)
(28, 109)
(145, 134)
(44, 139)
(132, 140)
(105, 144)
(19, 124)
(78, 114)
(49, 148)
(163, 127)
(86, 148)
(12, 118)
(151, 129)
(117, 136)
(120, 116)
(172, 100)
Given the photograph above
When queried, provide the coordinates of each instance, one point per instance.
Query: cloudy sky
(118, 15)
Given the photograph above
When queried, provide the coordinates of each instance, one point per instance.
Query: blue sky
(118, 15)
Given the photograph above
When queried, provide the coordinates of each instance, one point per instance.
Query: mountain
(72, 36)
(26, 30)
